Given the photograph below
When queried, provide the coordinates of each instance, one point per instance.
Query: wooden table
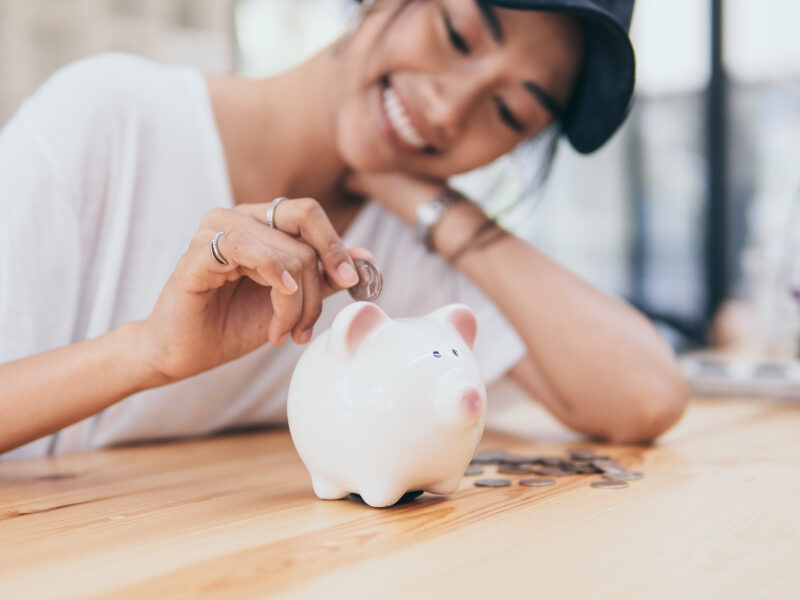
(717, 516)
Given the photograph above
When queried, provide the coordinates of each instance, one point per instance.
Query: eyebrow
(496, 31)
(490, 20)
(544, 98)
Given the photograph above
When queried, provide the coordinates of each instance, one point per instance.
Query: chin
(361, 156)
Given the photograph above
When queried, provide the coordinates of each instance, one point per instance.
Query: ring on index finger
(215, 250)
(271, 211)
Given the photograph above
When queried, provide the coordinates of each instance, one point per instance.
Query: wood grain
(234, 517)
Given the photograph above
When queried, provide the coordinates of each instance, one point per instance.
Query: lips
(400, 123)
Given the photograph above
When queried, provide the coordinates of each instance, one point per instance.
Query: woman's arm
(270, 288)
(49, 391)
(598, 364)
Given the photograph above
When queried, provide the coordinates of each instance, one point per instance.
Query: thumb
(329, 288)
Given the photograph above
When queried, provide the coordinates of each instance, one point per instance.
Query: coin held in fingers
(370, 281)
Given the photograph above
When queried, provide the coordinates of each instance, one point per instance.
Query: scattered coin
(492, 482)
(536, 481)
(581, 454)
(510, 469)
(606, 464)
(584, 470)
(579, 461)
(370, 281)
(488, 457)
(609, 484)
(551, 471)
(623, 475)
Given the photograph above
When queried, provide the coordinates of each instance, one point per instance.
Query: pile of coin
(577, 462)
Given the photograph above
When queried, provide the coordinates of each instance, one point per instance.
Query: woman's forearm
(46, 392)
(595, 361)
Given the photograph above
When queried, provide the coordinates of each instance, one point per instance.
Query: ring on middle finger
(271, 211)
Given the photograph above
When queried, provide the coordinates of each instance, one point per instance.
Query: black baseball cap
(602, 95)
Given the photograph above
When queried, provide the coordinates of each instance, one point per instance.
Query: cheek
(473, 150)
(356, 127)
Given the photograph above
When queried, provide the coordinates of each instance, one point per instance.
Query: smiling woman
(452, 85)
(175, 268)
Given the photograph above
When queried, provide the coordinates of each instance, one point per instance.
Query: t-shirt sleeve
(498, 346)
(39, 245)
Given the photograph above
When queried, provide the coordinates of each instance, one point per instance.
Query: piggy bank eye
(437, 354)
(455, 352)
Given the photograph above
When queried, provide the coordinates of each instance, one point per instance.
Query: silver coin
(370, 281)
(473, 470)
(609, 484)
(551, 471)
(492, 482)
(582, 454)
(536, 481)
(607, 464)
(512, 469)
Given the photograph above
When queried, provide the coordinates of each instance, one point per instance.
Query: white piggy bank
(379, 406)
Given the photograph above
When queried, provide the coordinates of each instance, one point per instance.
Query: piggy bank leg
(448, 486)
(380, 495)
(326, 490)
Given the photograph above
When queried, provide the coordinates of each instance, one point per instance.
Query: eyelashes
(458, 42)
(462, 47)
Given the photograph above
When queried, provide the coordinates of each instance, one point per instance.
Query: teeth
(399, 119)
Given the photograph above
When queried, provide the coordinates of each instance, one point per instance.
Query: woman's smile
(400, 125)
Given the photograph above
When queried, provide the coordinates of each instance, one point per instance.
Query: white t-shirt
(105, 174)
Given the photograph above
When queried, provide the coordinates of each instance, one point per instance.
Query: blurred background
(692, 212)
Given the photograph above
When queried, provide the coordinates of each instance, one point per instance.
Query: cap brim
(601, 98)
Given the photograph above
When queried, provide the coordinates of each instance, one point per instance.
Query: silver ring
(215, 251)
(271, 211)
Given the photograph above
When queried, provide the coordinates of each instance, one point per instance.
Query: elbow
(656, 404)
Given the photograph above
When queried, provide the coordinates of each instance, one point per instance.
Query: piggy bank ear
(354, 323)
(462, 318)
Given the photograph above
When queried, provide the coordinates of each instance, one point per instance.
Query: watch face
(428, 213)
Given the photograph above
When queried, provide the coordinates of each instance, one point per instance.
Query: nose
(448, 99)
(472, 403)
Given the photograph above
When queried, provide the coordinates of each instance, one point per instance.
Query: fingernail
(347, 273)
(288, 281)
(305, 336)
(283, 338)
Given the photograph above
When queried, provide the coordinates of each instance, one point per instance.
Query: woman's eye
(507, 116)
(455, 352)
(458, 42)
(437, 354)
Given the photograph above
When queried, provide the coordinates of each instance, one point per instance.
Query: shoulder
(88, 112)
(103, 86)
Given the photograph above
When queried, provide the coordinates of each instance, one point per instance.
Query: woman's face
(439, 87)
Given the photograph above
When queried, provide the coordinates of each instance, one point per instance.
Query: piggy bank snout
(460, 406)
(472, 404)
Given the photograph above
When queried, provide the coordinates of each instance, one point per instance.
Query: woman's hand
(272, 286)
(397, 192)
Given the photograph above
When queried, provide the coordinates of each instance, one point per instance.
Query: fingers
(294, 268)
(329, 288)
(287, 309)
(311, 284)
(305, 218)
(240, 249)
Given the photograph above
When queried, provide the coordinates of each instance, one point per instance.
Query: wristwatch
(430, 213)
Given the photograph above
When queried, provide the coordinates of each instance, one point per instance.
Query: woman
(106, 172)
